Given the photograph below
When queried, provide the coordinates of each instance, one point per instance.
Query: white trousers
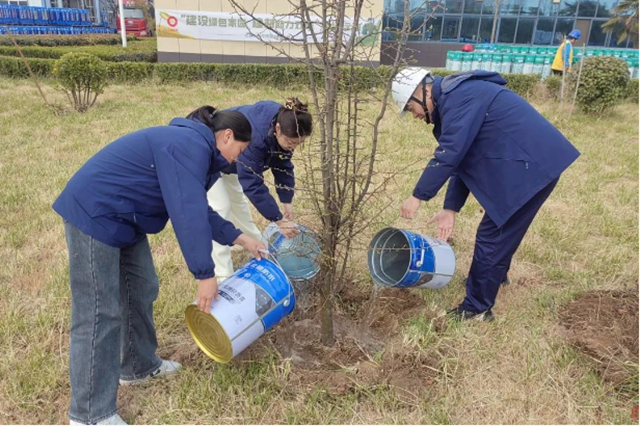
(227, 199)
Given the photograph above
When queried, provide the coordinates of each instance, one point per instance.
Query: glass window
(438, 6)
(548, 8)
(587, 8)
(568, 8)
(544, 31)
(605, 6)
(133, 13)
(430, 6)
(391, 23)
(614, 38)
(487, 7)
(393, 27)
(529, 7)
(473, 6)
(397, 6)
(454, 6)
(509, 7)
(469, 31)
(597, 36)
(432, 31)
(507, 30)
(417, 26)
(450, 29)
(486, 26)
(394, 6)
(525, 29)
(563, 27)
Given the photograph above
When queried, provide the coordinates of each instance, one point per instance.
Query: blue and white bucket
(252, 300)
(400, 258)
(299, 256)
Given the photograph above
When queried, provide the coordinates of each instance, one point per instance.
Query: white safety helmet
(405, 83)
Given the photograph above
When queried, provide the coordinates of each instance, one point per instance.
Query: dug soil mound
(604, 325)
(368, 350)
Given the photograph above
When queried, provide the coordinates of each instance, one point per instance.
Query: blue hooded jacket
(264, 153)
(490, 142)
(132, 187)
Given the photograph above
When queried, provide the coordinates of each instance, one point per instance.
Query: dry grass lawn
(518, 369)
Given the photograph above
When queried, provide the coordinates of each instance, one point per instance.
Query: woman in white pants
(276, 131)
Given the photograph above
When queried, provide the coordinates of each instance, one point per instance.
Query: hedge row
(14, 67)
(133, 72)
(554, 82)
(119, 72)
(632, 91)
(253, 74)
(64, 40)
(106, 53)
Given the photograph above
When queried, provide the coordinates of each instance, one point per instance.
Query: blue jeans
(112, 331)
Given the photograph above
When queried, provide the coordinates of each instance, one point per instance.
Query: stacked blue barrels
(29, 20)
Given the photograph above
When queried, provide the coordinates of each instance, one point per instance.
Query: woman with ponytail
(277, 130)
(127, 190)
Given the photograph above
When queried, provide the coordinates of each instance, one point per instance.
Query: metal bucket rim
(372, 248)
(392, 230)
(308, 233)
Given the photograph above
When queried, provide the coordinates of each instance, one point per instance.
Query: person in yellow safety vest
(564, 55)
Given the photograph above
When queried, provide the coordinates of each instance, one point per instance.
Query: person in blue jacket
(276, 132)
(494, 145)
(127, 190)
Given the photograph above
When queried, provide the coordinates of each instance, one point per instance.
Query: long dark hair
(220, 120)
(294, 119)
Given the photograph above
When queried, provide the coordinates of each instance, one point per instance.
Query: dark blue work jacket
(490, 142)
(264, 153)
(132, 187)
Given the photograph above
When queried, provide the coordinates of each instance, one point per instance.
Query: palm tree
(625, 20)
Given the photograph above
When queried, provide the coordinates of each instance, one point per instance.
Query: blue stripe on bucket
(274, 282)
(390, 265)
(422, 260)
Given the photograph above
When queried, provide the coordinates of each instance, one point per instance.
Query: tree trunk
(496, 13)
(330, 201)
(339, 173)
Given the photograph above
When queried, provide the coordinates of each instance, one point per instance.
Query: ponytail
(294, 119)
(218, 120)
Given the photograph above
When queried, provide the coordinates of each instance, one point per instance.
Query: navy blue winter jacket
(490, 142)
(132, 187)
(264, 153)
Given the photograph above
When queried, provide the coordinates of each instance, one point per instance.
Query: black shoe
(460, 314)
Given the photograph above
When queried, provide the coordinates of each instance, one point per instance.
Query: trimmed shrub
(252, 74)
(632, 91)
(522, 84)
(15, 67)
(275, 75)
(129, 72)
(106, 53)
(603, 83)
(82, 77)
(553, 84)
(184, 72)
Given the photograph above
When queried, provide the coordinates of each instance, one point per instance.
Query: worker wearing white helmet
(494, 145)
